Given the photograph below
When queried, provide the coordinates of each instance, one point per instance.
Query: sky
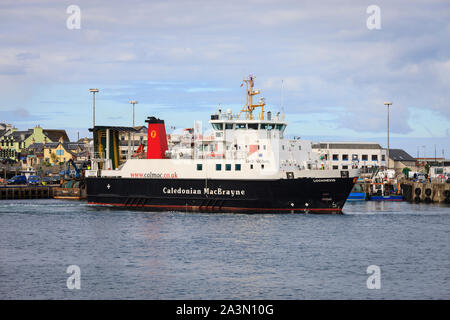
(181, 60)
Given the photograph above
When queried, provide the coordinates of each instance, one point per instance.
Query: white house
(345, 155)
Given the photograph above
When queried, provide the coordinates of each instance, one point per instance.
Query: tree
(406, 171)
(53, 157)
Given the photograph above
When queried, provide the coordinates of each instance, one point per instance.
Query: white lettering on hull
(324, 180)
(206, 191)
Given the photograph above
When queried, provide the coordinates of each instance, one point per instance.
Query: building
(61, 152)
(13, 143)
(4, 127)
(400, 159)
(139, 137)
(345, 155)
(35, 154)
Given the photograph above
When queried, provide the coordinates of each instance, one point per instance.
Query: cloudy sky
(181, 59)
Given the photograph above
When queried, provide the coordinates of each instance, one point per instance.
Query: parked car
(55, 180)
(34, 180)
(18, 180)
(45, 181)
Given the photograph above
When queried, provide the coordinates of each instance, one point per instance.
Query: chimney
(157, 139)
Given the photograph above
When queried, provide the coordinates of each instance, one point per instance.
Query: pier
(428, 192)
(26, 192)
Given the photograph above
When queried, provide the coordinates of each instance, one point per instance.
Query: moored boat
(245, 165)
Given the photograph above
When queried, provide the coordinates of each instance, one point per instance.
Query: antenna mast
(249, 106)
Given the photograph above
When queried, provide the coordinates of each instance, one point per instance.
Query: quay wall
(429, 192)
(26, 192)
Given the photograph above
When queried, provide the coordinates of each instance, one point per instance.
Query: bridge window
(253, 126)
(217, 126)
(241, 125)
(218, 167)
(228, 167)
(280, 127)
(267, 126)
(228, 126)
(374, 157)
(345, 157)
(199, 167)
(237, 167)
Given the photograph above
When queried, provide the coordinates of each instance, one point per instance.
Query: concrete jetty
(426, 192)
(26, 192)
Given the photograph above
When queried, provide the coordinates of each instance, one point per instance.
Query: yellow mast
(249, 106)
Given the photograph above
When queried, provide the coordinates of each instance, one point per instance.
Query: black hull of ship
(246, 196)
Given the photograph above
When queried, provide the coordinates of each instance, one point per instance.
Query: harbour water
(172, 255)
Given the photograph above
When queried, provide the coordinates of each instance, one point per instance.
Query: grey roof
(55, 135)
(69, 146)
(400, 155)
(21, 135)
(36, 146)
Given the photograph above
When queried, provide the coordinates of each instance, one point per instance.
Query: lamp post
(133, 102)
(388, 104)
(94, 91)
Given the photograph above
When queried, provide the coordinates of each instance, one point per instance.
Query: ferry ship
(246, 165)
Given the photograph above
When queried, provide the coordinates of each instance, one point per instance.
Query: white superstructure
(240, 146)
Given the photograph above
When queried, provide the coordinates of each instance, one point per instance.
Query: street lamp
(94, 91)
(133, 102)
(388, 104)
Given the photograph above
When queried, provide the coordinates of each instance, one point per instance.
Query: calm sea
(173, 255)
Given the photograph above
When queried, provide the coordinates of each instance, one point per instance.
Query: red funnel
(157, 140)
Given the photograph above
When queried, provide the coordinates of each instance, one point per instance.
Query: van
(18, 180)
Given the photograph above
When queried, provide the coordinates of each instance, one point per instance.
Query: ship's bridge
(220, 122)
